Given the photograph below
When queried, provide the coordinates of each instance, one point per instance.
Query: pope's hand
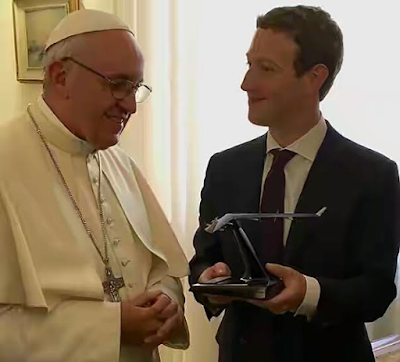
(142, 317)
(291, 297)
(172, 322)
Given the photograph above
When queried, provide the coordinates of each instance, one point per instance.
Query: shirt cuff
(310, 302)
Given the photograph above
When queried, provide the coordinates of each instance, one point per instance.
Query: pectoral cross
(112, 285)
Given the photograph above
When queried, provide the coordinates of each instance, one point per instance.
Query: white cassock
(52, 304)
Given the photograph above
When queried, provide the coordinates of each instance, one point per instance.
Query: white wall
(14, 96)
(103, 5)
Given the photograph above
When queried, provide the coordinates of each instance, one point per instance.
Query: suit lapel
(249, 177)
(250, 169)
(315, 194)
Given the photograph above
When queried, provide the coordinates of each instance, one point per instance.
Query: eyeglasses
(121, 88)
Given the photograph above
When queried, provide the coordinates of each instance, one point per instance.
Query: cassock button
(130, 285)
(95, 180)
(125, 262)
(110, 220)
(102, 199)
(116, 241)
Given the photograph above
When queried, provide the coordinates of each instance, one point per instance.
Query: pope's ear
(57, 78)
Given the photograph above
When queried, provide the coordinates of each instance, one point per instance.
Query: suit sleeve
(375, 237)
(72, 331)
(207, 246)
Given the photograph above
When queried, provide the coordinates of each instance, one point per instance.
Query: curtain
(165, 139)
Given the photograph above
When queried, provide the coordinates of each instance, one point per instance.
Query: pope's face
(95, 114)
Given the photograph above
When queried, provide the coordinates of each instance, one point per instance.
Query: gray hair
(63, 49)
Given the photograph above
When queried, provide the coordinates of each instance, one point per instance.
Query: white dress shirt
(296, 173)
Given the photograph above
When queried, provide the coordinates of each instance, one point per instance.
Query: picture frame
(34, 20)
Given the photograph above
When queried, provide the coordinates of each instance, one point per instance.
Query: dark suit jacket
(351, 250)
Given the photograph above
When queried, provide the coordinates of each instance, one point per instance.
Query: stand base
(257, 288)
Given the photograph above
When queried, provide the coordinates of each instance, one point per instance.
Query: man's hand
(141, 317)
(215, 271)
(291, 296)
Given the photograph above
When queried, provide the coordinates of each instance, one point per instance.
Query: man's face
(95, 115)
(275, 93)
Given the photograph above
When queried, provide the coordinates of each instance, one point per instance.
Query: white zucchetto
(85, 21)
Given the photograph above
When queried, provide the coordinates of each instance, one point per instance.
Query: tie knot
(281, 158)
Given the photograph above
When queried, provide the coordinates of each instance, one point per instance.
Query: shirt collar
(55, 132)
(306, 146)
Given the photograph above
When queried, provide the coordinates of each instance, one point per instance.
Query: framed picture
(34, 20)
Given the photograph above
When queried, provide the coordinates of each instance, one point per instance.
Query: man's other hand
(291, 297)
(218, 270)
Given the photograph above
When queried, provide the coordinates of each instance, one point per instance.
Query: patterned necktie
(273, 200)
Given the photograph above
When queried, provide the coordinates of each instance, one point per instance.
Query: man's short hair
(317, 35)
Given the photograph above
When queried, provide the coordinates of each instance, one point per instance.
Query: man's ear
(318, 75)
(57, 75)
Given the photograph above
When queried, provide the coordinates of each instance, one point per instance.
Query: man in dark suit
(338, 270)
